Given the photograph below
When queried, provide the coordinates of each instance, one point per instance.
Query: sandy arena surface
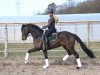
(57, 67)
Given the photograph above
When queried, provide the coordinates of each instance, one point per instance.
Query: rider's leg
(45, 46)
(46, 38)
(46, 41)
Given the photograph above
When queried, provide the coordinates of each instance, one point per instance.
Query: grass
(15, 48)
(26, 46)
(51, 54)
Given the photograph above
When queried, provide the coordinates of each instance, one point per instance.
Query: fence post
(6, 42)
(75, 28)
(88, 34)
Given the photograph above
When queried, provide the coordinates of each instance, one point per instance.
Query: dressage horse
(64, 39)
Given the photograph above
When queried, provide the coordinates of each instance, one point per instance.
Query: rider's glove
(44, 27)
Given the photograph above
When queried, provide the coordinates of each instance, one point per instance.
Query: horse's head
(34, 30)
(25, 32)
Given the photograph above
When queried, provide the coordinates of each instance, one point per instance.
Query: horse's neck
(35, 33)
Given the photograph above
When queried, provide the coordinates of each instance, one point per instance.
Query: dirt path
(17, 67)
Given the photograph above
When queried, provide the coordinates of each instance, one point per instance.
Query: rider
(51, 28)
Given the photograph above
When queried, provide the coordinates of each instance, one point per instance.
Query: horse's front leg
(27, 54)
(46, 59)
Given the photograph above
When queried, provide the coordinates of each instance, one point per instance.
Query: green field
(19, 49)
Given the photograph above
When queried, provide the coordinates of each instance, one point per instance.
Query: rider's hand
(43, 27)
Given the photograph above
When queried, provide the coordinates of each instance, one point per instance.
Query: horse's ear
(23, 25)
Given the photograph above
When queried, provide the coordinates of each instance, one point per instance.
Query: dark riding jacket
(51, 23)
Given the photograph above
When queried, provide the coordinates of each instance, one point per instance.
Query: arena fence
(10, 34)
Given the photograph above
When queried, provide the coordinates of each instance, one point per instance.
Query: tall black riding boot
(45, 45)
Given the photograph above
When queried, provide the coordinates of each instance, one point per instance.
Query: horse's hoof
(26, 62)
(78, 67)
(44, 67)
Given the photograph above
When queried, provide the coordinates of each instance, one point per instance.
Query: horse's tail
(83, 46)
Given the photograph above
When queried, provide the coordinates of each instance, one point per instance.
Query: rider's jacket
(51, 23)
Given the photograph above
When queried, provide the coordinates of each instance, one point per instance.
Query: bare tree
(70, 7)
(71, 3)
(52, 6)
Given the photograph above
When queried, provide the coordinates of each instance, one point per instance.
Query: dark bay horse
(64, 39)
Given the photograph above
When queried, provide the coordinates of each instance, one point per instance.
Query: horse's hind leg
(67, 55)
(77, 58)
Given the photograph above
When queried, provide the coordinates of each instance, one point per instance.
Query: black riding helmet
(50, 11)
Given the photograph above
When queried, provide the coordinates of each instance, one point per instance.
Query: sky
(26, 7)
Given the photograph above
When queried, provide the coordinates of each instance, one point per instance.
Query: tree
(52, 6)
(70, 7)
(71, 3)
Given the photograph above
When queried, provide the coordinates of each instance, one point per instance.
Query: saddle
(53, 37)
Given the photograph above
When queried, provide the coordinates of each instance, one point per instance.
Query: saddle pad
(53, 37)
